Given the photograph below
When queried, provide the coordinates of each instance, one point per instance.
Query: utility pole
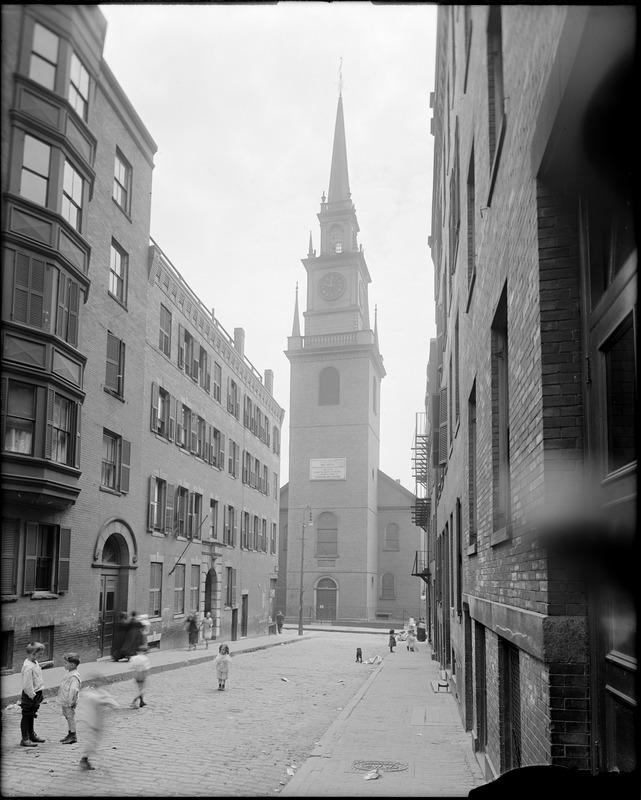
(307, 511)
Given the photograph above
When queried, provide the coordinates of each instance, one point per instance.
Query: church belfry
(336, 370)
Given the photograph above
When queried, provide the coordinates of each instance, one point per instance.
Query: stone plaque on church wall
(327, 469)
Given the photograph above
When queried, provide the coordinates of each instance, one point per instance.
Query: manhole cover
(382, 766)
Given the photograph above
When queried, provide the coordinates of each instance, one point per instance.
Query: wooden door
(107, 611)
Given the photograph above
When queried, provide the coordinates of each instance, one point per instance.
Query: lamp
(307, 514)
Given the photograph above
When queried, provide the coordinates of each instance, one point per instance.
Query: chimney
(269, 380)
(239, 341)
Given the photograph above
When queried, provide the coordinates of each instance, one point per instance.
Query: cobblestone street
(192, 739)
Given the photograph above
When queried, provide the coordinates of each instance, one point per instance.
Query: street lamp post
(306, 512)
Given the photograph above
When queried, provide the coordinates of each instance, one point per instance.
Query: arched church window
(388, 587)
(336, 240)
(329, 387)
(391, 536)
(327, 534)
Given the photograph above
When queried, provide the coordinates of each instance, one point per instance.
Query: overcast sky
(241, 101)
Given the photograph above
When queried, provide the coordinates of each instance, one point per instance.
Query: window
(218, 380)
(72, 189)
(230, 586)
(254, 541)
(29, 291)
(336, 240)
(46, 560)
(233, 405)
(276, 440)
(161, 415)
(328, 387)
(115, 372)
(265, 486)
(275, 486)
(78, 93)
(183, 438)
(116, 455)
(62, 429)
(10, 549)
(155, 589)
(213, 518)
(181, 511)
(391, 537)
(229, 529)
(179, 589)
(68, 307)
(194, 588)
(472, 467)
(455, 205)
(20, 419)
(44, 636)
(272, 539)
(204, 375)
(217, 449)
(122, 182)
(118, 270)
(500, 420)
(495, 89)
(34, 178)
(195, 514)
(263, 536)
(186, 348)
(44, 56)
(164, 338)
(233, 465)
(157, 504)
(327, 534)
(388, 587)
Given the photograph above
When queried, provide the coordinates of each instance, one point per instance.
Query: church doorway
(326, 594)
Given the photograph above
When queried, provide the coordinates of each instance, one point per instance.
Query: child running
(96, 700)
(141, 665)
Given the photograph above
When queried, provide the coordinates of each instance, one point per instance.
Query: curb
(52, 691)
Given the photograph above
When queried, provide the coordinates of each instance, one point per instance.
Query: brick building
(81, 463)
(361, 539)
(526, 454)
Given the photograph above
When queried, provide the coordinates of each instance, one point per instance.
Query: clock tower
(336, 370)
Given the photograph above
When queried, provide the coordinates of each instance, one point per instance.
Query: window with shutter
(64, 557)
(169, 509)
(29, 290)
(154, 407)
(115, 367)
(125, 460)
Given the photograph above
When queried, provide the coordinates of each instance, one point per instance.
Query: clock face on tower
(331, 286)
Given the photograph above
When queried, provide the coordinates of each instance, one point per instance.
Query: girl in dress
(221, 663)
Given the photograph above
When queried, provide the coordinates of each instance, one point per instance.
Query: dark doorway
(108, 604)
(326, 592)
(244, 613)
(234, 624)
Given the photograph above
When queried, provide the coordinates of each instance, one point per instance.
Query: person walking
(192, 630)
(141, 666)
(411, 640)
(32, 686)
(68, 694)
(208, 629)
(134, 637)
(96, 700)
(392, 641)
(280, 619)
(421, 630)
(221, 662)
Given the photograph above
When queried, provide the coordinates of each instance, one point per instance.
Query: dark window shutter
(10, 544)
(442, 455)
(154, 407)
(207, 432)
(125, 460)
(207, 374)
(221, 460)
(113, 357)
(233, 587)
(181, 346)
(64, 559)
(77, 416)
(195, 368)
(193, 433)
(30, 557)
(74, 303)
(190, 516)
(28, 295)
(4, 388)
(121, 379)
(49, 431)
(169, 509)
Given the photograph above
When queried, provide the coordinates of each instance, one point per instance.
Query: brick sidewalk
(396, 720)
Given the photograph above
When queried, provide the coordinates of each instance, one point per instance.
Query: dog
(359, 655)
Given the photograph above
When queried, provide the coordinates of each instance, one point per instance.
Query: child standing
(208, 629)
(411, 639)
(68, 695)
(141, 665)
(32, 686)
(96, 700)
(392, 641)
(221, 663)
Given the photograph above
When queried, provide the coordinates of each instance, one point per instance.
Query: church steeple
(296, 325)
(339, 177)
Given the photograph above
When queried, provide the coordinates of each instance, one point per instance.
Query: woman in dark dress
(134, 638)
(192, 630)
(121, 628)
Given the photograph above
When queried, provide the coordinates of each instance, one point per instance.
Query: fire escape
(421, 508)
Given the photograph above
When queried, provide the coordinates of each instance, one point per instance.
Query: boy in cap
(68, 694)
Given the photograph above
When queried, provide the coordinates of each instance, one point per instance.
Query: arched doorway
(212, 598)
(115, 555)
(326, 594)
